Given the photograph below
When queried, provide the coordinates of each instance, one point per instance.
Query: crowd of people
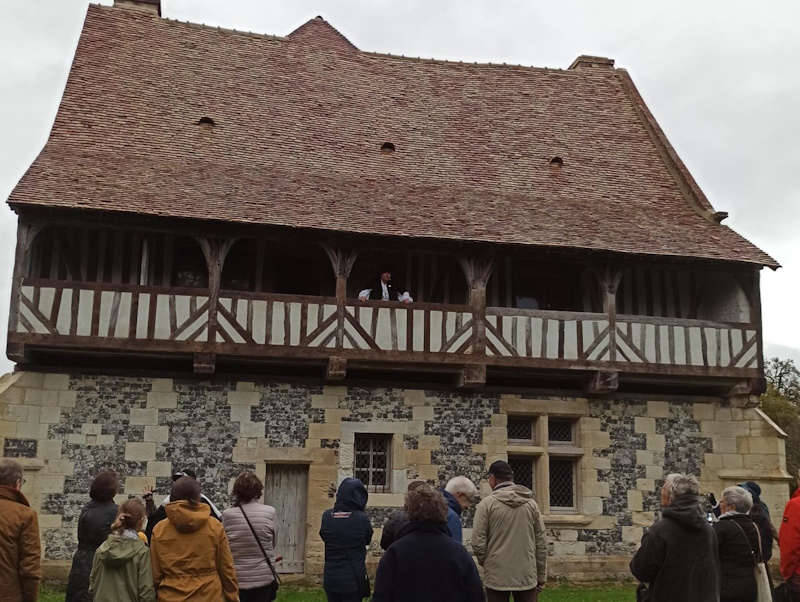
(717, 554)
(186, 549)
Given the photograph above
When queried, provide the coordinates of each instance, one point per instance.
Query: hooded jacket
(94, 525)
(121, 571)
(679, 556)
(454, 510)
(346, 531)
(508, 539)
(20, 552)
(191, 556)
(789, 540)
(427, 565)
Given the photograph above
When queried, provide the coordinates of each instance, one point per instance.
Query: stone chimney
(151, 6)
(590, 62)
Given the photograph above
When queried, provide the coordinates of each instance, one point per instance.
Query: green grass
(554, 594)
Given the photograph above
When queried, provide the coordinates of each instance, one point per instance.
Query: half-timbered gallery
(194, 236)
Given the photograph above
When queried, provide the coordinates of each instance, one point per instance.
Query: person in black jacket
(346, 531)
(384, 289)
(738, 537)
(427, 565)
(760, 516)
(397, 520)
(94, 525)
(679, 557)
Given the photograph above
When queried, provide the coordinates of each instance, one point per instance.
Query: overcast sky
(719, 75)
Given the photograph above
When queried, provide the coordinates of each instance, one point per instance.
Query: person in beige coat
(508, 539)
(256, 580)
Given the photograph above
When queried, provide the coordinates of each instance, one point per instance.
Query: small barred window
(373, 461)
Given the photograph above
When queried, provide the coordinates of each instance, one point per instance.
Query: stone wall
(66, 427)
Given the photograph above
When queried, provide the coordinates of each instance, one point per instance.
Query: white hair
(461, 485)
(739, 498)
(678, 485)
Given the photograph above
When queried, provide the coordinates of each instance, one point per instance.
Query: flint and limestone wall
(64, 427)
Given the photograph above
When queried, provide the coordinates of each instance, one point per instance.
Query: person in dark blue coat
(426, 564)
(459, 493)
(346, 531)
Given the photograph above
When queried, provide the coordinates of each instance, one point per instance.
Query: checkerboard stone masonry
(65, 427)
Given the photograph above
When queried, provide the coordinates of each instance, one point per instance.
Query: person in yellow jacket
(191, 556)
(121, 569)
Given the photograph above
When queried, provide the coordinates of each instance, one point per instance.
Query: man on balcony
(383, 289)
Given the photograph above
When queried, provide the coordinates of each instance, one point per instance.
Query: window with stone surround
(372, 461)
(547, 447)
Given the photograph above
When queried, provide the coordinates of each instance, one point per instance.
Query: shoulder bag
(762, 579)
(276, 584)
(642, 593)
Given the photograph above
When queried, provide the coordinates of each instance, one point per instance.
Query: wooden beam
(18, 353)
(215, 250)
(609, 279)
(337, 368)
(26, 233)
(471, 376)
(342, 261)
(750, 386)
(602, 382)
(477, 272)
(205, 363)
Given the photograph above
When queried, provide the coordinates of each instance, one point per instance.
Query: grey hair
(461, 485)
(10, 472)
(739, 498)
(678, 485)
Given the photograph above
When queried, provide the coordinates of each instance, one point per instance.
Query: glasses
(22, 482)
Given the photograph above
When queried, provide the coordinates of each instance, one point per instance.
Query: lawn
(555, 594)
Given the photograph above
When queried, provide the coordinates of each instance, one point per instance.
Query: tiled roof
(300, 121)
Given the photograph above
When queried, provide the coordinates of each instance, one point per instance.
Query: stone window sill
(567, 520)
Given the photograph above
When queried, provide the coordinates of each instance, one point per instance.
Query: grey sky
(718, 75)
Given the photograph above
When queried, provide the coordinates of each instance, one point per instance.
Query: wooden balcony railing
(87, 316)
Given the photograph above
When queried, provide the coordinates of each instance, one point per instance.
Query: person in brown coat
(20, 551)
(191, 556)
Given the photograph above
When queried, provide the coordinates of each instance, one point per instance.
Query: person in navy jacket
(346, 531)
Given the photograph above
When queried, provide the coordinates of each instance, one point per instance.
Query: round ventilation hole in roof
(207, 121)
(557, 162)
(387, 147)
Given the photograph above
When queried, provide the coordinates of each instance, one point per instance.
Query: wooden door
(286, 489)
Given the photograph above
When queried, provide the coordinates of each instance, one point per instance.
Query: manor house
(194, 236)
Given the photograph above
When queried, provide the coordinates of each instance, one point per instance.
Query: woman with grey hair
(678, 558)
(738, 539)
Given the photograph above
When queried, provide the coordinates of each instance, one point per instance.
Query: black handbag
(275, 584)
(642, 593)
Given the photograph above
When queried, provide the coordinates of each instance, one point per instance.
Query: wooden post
(342, 261)
(477, 272)
(26, 233)
(215, 250)
(609, 279)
